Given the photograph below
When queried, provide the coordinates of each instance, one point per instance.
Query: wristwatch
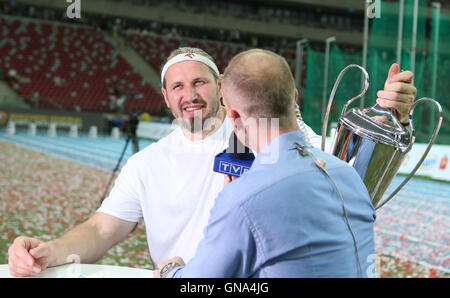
(167, 268)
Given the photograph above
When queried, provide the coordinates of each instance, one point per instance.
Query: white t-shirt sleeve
(123, 201)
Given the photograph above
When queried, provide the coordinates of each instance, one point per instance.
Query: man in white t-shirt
(170, 184)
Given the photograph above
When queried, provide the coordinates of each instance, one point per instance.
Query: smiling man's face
(191, 93)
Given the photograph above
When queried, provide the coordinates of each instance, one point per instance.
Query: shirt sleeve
(123, 201)
(228, 248)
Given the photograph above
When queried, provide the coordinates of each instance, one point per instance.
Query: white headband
(188, 57)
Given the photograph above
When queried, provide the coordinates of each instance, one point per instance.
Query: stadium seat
(86, 66)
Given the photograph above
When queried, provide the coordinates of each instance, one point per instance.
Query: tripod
(132, 125)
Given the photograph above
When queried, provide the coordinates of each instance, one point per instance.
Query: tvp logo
(74, 9)
(373, 9)
(232, 169)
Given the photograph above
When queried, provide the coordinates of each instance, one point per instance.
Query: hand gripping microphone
(235, 160)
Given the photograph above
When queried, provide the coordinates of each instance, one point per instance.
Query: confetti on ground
(414, 228)
(43, 195)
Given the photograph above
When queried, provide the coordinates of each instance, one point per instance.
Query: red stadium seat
(155, 49)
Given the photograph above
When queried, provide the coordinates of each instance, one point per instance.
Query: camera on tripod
(131, 128)
(133, 121)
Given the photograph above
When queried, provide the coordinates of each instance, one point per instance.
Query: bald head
(261, 84)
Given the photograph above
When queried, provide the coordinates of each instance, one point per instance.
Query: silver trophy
(375, 149)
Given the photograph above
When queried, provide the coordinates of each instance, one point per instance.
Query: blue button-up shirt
(284, 218)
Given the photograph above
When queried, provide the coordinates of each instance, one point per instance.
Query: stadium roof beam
(206, 21)
(357, 5)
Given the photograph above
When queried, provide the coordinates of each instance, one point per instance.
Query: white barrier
(32, 129)
(11, 128)
(435, 165)
(52, 130)
(153, 130)
(92, 132)
(73, 133)
(115, 133)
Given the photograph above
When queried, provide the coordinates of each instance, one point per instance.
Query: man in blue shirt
(298, 212)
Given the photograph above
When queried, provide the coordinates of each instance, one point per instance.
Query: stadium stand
(70, 67)
(156, 48)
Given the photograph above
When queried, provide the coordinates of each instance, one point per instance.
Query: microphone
(235, 160)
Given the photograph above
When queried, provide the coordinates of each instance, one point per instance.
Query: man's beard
(193, 125)
(196, 124)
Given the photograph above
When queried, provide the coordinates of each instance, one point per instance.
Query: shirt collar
(284, 142)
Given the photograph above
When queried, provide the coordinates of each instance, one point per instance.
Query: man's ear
(164, 92)
(233, 114)
(296, 95)
(236, 119)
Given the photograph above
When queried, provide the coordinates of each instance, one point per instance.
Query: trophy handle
(433, 138)
(333, 92)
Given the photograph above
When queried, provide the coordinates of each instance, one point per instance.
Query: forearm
(86, 243)
(79, 244)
